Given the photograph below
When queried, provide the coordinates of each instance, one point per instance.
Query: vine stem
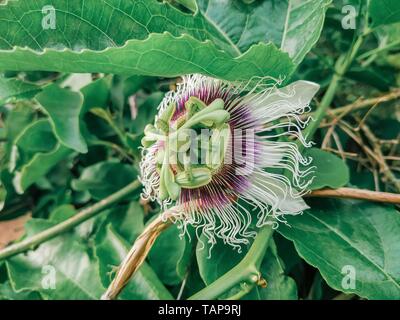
(341, 66)
(81, 216)
(360, 194)
(138, 254)
(246, 272)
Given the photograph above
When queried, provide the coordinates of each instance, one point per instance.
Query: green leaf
(127, 221)
(384, 12)
(213, 264)
(15, 90)
(147, 33)
(189, 4)
(179, 55)
(330, 170)
(75, 270)
(3, 195)
(62, 213)
(292, 25)
(38, 167)
(279, 286)
(17, 120)
(96, 94)
(7, 293)
(78, 27)
(105, 178)
(166, 266)
(64, 107)
(145, 285)
(37, 137)
(342, 236)
(147, 110)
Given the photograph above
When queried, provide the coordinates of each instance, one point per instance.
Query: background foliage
(74, 101)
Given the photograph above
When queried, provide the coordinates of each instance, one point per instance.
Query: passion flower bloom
(222, 155)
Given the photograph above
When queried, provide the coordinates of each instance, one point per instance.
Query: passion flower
(222, 155)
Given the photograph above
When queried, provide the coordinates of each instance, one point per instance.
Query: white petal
(277, 103)
(274, 191)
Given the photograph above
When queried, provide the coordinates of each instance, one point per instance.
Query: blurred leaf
(330, 170)
(62, 213)
(15, 89)
(96, 94)
(165, 265)
(7, 293)
(17, 120)
(37, 137)
(3, 195)
(123, 87)
(127, 221)
(64, 107)
(147, 110)
(145, 285)
(350, 238)
(384, 12)
(38, 166)
(377, 77)
(105, 178)
(279, 286)
(75, 270)
(320, 290)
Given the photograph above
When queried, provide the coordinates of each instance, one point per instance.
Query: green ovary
(191, 148)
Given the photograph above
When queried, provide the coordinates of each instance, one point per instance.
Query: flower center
(191, 148)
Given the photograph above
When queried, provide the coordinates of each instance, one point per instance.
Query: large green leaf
(64, 107)
(145, 285)
(292, 25)
(178, 55)
(75, 269)
(150, 38)
(384, 12)
(330, 171)
(342, 236)
(91, 23)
